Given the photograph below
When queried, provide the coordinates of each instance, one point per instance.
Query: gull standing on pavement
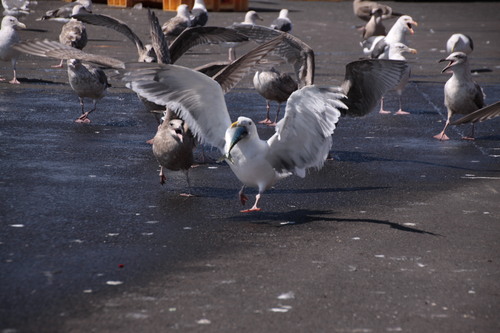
(462, 95)
(9, 37)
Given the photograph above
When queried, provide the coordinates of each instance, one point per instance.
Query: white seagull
(377, 47)
(459, 43)
(9, 37)
(303, 137)
(462, 94)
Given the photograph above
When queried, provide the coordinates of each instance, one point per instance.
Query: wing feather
(52, 49)
(303, 137)
(488, 112)
(366, 81)
(198, 99)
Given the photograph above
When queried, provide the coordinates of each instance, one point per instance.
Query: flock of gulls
(190, 102)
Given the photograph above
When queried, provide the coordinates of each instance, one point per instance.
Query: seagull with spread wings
(303, 137)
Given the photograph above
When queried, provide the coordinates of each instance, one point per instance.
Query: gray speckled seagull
(9, 37)
(63, 13)
(173, 146)
(74, 32)
(462, 95)
(375, 26)
(363, 9)
(273, 86)
(88, 81)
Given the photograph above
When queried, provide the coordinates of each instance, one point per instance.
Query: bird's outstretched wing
(197, 98)
(292, 49)
(366, 81)
(158, 40)
(191, 37)
(52, 49)
(488, 112)
(234, 72)
(303, 137)
(112, 23)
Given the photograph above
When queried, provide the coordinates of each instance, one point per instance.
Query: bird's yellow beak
(233, 125)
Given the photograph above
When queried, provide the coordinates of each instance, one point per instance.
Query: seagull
(303, 137)
(273, 86)
(377, 47)
(17, 8)
(87, 81)
(462, 94)
(199, 14)
(459, 43)
(488, 112)
(282, 23)
(173, 27)
(363, 9)
(396, 52)
(375, 26)
(63, 13)
(292, 49)
(251, 18)
(9, 37)
(74, 32)
(173, 146)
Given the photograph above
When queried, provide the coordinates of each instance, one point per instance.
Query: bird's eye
(250, 123)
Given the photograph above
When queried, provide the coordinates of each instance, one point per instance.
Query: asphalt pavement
(398, 232)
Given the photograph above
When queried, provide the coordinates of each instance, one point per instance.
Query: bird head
(239, 130)
(251, 16)
(400, 48)
(176, 128)
(11, 21)
(183, 10)
(408, 22)
(454, 59)
(74, 63)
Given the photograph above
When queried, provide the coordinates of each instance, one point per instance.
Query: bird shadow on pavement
(304, 216)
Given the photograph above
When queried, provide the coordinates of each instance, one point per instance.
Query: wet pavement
(397, 233)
